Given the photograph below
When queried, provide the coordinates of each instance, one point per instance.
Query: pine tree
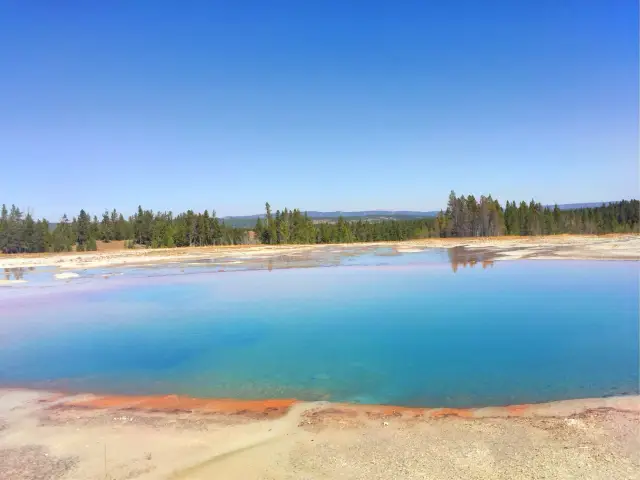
(4, 229)
(271, 230)
(28, 235)
(216, 229)
(107, 227)
(91, 245)
(63, 236)
(259, 229)
(83, 226)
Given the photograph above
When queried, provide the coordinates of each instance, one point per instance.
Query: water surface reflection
(460, 256)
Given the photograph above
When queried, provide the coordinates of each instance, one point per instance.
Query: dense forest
(463, 217)
(468, 217)
(20, 233)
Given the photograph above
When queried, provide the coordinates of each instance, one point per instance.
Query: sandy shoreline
(580, 247)
(52, 435)
(277, 407)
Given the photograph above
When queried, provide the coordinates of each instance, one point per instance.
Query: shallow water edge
(275, 408)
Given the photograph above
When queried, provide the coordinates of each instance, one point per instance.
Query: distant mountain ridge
(249, 220)
(246, 221)
(359, 213)
(574, 206)
(403, 213)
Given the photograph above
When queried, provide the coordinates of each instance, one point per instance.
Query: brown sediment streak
(387, 411)
(270, 408)
(516, 410)
(380, 411)
(452, 412)
(392, 411)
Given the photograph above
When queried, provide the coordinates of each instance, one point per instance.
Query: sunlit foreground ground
(52, 436)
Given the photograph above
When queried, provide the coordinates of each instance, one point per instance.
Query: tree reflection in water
(460, 256)
(17, 273)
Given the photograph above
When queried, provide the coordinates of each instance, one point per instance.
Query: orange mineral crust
(270, 408)
(276, 408)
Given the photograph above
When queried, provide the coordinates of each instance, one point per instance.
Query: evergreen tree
(4, 229)
(270, 232)
(91, 245)
(63, 236)
(28, 235)
(83, 226)
(464, 216)
(107, 226)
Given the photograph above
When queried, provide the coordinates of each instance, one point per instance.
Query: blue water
(402, 329)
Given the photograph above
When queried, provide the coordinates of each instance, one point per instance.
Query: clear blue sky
(322, 105)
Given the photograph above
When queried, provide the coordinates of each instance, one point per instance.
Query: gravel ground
(33, 463)
(599, 445)
(43, 437)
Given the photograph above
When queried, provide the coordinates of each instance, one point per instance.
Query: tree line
(465, 216)
(20, 233)
(294, 227)
(468, 217)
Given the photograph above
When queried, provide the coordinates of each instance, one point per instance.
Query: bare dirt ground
(113, 246)
(605, 247)
(53, 436)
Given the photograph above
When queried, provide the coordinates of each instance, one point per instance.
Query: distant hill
(575, 206)
(245, 221)
(248, 221)
(370, 215)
